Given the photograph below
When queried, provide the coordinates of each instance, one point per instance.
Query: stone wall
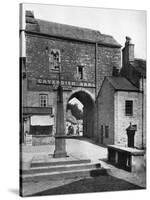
(105, 117)
(73, 54)
(107, 59)
(42, 140)
(143, 104)
(122, 121)
(33, 98)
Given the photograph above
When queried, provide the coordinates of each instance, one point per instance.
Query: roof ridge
(71, 32)
(107, 35)
(89, 29)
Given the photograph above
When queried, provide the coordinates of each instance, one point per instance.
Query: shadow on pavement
(14, 191)
(97, 184)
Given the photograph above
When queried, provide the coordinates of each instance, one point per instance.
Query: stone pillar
(60, 143)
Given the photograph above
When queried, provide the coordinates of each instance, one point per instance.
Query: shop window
(43, 100)
(80, 72)
(129, 108)
(54, 59)
(41, 130)
(106, 131)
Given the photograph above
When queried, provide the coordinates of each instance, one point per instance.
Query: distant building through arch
(88, 110)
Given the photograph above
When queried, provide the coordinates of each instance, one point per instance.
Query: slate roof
(140, 66)
(68, 31)
(122, 84)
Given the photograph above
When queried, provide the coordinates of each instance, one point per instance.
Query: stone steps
(60, 168)
(57, 163)
(45, 167)
(58, 175)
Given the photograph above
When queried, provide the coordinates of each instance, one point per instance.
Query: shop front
(38, 126)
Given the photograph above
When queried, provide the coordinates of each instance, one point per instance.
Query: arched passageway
(88, 111)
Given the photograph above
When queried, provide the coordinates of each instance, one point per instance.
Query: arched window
(54, 59)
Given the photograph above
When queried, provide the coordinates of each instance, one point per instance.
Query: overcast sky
(115, 22)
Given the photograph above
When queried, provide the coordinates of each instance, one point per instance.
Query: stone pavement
(118, 178)
(77, 148)
(88, 185)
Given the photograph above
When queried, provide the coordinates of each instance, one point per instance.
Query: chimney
(31, 22)
(128, 52)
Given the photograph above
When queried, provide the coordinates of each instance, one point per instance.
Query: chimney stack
(128, 52)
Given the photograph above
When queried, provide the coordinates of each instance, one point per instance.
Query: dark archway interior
(88, 112)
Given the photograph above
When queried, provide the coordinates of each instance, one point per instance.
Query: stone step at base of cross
(57, 175)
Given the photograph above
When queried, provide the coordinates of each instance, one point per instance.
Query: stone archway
(88, 110)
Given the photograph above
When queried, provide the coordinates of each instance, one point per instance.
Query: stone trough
(130, 159)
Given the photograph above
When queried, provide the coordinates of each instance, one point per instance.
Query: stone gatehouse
(83, 56)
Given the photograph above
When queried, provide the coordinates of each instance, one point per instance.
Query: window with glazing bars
(43, 100)
(129, 108)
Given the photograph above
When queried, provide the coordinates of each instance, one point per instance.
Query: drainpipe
(142, 112)
(96, 106)
(96, 45)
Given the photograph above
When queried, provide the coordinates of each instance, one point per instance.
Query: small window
(115, 71)
(80, 72)
(54, 59)
(43, 100)
(129, 108)
(106, 131)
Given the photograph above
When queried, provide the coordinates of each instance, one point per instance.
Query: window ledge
(129, 115)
